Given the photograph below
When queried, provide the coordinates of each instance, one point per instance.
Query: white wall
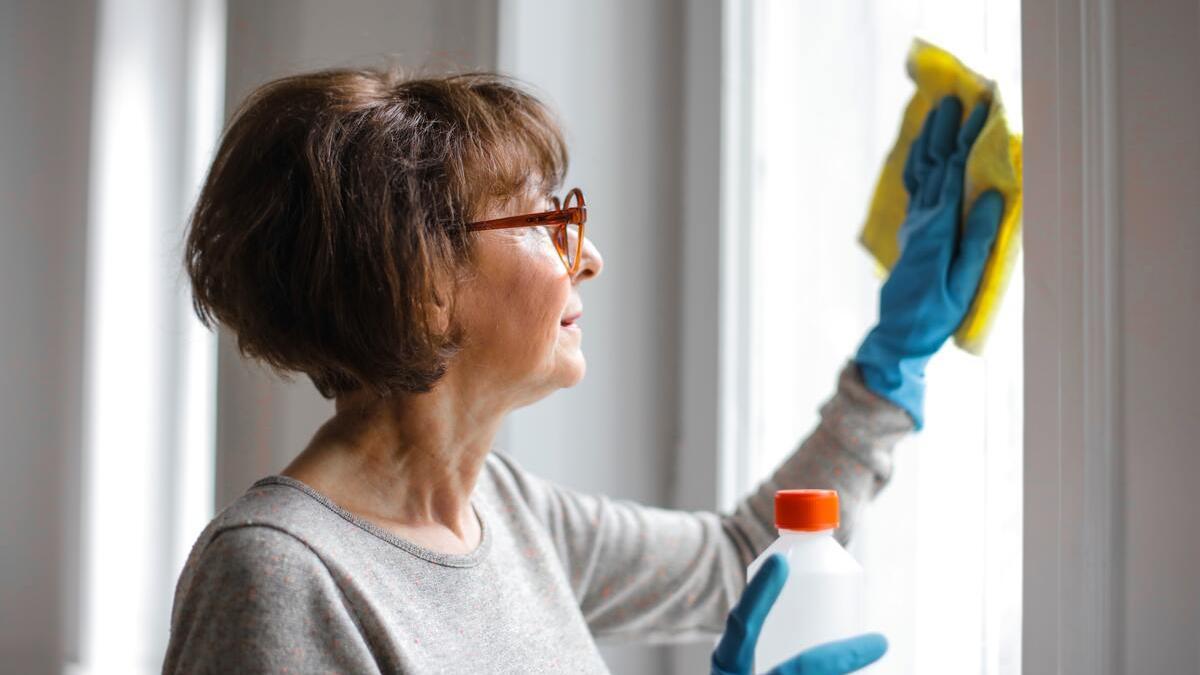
(45, 73)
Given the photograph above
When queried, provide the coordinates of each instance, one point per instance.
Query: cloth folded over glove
(993, 164)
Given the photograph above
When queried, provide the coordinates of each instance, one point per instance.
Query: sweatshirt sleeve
(648, 574)
(261, 601)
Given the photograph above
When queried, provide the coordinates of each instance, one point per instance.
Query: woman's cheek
(531, 299)
(549, 282)
(534, 296)
(550, 301)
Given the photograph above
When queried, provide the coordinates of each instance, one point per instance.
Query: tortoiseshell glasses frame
(570, 211)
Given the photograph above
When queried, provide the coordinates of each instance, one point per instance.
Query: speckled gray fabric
(283, 580)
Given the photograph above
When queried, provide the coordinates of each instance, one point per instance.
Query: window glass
(942, 543)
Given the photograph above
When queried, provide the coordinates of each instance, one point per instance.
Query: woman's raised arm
(648, 574)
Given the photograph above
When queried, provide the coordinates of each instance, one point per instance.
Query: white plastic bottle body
(822, 600)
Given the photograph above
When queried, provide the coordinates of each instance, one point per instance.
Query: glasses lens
(571, 249)
(569, 239)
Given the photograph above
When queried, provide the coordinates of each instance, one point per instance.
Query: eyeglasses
(565, 223)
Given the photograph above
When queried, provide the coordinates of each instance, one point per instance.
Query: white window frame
(1072, 465)
(1072, 459)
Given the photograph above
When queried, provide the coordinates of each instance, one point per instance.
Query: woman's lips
(571, 319)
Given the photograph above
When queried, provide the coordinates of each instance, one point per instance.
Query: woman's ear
(439, 313)
(446, 302)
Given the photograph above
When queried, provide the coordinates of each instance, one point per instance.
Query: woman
(398, 242)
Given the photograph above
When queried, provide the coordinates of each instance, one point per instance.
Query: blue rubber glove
(931, 286)
(734, 655)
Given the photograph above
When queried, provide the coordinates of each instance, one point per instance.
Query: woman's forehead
(526, 201)
(537, 196)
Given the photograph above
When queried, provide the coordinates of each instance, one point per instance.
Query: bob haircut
(332, 219)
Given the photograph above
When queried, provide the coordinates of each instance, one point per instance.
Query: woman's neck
(408, 464)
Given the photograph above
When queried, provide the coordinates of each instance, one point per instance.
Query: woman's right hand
(734, 655)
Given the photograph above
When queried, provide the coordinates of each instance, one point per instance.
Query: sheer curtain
(942, 543)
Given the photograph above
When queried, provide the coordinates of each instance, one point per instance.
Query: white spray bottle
(823, 598)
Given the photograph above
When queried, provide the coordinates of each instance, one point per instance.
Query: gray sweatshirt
(284, 580)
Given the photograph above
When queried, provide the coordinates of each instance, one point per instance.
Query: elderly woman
(398, 241)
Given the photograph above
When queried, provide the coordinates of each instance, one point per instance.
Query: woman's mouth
(569, 320)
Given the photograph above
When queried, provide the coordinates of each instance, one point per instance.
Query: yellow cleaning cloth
(994, 163)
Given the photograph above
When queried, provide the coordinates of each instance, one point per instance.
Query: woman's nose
(590, 262)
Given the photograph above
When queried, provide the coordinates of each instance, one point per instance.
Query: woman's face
(520, 311)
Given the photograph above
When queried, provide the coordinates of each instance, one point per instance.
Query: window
(825, 88)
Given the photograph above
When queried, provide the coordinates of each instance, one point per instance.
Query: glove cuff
(899, 379)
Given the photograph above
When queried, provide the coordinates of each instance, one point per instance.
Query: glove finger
(914, 169)
(735, 651)
(976, 244)
(836, 658)
(974, 124)
(944, 134)
(942, 140)
(952, 187)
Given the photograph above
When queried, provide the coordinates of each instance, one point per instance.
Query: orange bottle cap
(809, 510)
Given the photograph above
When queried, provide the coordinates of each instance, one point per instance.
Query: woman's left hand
(734, 655)
(932, 284)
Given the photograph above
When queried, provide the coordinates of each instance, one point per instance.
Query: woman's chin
(574, 368)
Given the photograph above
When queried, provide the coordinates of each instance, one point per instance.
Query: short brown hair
(332, 217)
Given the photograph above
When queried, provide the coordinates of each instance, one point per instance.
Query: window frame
(1072, 529)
